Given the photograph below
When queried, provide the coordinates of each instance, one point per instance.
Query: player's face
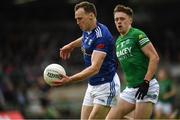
(83, 19)
(162, 74)
(122, 22)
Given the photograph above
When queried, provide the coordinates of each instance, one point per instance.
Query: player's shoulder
(101, 30)
(137, 33)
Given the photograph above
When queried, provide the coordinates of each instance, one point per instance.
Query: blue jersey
(100, 39)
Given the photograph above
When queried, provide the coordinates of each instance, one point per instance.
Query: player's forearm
(172, 92)
(86, 73)
(76, 43)
(152, 67)
(169, 95)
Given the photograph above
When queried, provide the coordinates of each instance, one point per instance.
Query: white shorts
(105, 94)
(128, 94)
(166, 108)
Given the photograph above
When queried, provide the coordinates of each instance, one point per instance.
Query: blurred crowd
(26, 49)
(29, 45)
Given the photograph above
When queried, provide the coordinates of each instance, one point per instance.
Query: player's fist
(143, 89)
(60, 82)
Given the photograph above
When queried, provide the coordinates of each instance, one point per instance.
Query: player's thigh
(120, 110)
(85, 111)
(143, 110)
(99, 111)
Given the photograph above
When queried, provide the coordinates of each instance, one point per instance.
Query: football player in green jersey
(167, 92)
(139, 61)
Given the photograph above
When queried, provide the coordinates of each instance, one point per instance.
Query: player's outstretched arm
(97, 60)
(65, 51)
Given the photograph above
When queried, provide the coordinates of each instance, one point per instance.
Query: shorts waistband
(136, 86)
(140, 84)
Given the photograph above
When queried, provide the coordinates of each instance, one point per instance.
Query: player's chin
(83, 29)
(120, 30)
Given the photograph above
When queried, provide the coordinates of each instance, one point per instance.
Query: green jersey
(165, 87)
(133, 61)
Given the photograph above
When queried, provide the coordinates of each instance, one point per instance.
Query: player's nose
(78, 22)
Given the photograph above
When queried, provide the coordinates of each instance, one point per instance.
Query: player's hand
(60, 82)
(166, 96)
(143, 89)
(65, 52)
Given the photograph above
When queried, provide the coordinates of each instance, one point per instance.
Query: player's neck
(94, 24)
(125, 33)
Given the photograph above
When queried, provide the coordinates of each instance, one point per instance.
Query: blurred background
(31, 33)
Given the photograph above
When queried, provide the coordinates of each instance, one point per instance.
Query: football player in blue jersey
(98, 48)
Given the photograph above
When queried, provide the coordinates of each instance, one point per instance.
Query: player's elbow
(95, 69)
(156, 58)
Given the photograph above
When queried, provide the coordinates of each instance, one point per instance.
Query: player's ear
(131, 20)
(91, 15)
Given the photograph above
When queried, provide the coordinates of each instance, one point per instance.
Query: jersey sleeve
(142, 39)
(101, 44)
(103, 39)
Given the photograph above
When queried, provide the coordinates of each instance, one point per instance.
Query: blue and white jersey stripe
(98, 32)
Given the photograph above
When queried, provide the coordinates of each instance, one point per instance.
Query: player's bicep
(149, 50)
(97, 59)
(102, 44)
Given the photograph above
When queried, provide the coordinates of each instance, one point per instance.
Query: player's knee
(115, 115)
(97, 115)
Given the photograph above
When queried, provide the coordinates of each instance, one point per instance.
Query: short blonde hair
(124, 9)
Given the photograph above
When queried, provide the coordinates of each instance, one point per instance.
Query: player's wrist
(71, 79)
(146, 81)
